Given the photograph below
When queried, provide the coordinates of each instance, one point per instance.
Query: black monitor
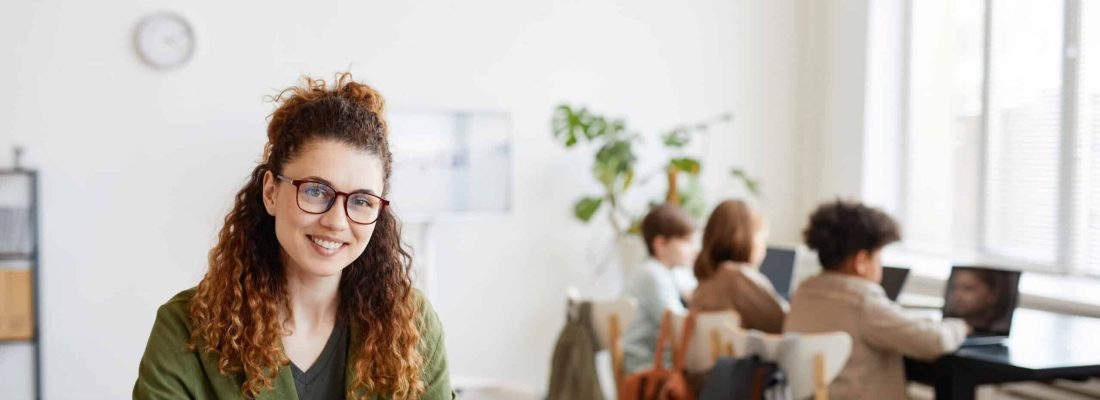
(893, 280)
(984, 297)
(778, 266)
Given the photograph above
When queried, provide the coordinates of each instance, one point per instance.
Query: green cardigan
(169, 371)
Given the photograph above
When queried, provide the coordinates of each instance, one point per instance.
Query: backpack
(660, 383)
(745, 378)
(573, 369)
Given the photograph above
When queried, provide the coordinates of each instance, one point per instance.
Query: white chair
(811, 361)
(609, 319)
(714, 335)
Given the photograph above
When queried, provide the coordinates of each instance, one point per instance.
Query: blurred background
(978, 130)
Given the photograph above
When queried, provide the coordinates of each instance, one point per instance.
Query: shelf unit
(29, 256)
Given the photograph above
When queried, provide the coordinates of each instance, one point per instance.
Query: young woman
(308, 293)
(728, 269)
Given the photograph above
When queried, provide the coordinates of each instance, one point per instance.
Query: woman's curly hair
(841, 228)
(237, 306)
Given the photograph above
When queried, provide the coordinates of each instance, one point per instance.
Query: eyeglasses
(317, 198)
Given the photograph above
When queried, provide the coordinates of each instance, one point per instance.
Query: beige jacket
(744, 289)
(881, 333)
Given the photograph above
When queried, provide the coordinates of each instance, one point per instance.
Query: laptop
(778, 266)
(986, 298)
(893, 280)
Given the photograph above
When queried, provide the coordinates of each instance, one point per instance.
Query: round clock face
(164, 41)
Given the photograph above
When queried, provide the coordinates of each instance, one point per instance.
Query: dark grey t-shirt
(325, 378)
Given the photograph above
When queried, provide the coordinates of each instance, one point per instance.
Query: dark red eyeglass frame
(297, 187)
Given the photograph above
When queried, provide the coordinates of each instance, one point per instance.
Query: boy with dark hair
(848, 237)
(668, 232)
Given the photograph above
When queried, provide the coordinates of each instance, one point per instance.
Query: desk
(1042, 346)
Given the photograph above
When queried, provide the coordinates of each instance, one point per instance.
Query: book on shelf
(16, 304)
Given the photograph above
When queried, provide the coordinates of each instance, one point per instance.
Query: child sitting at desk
(848, 237)
(668, 233)
(728, 269)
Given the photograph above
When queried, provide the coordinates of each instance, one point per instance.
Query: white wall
(139, 166)
(851, 97)
(885, 102)
(930, 176)
(833, 93)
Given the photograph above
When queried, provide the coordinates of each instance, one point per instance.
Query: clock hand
(172, 42)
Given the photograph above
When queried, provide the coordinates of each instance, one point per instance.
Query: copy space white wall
(851, 101)
(932, 138)
(139, 166)
(832, 99)
(884, 122)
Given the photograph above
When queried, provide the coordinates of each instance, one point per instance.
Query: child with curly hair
(848, 237)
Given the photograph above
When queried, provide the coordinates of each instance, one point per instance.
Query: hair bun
(293, 99)
(361, 93)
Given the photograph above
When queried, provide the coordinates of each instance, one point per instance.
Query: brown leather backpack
(660, 383)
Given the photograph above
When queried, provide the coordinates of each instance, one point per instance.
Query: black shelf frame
(36, 266)
(16, 256)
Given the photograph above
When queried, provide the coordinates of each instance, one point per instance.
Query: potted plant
(682, 165)
(614, 168)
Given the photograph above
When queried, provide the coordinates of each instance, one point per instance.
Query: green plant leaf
(686, 164)
(616, 127)
(692, 198)
(680, 136)
(566, 123)
(614, 159)
(628, 179)
(595, 127)
(752, 184)
(676, 138)
(586, 207)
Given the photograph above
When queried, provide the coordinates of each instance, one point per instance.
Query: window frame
(1071, 236)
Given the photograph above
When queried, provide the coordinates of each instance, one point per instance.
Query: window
(1087, 119)
(1023, 152)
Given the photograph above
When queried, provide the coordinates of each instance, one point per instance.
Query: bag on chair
(745, 378)
(660, 383)
(573, 368)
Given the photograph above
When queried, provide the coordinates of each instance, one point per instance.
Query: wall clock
(164, 40)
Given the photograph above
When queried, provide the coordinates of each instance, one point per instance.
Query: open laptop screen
(985, 298)
(893, 279)
(778, 266)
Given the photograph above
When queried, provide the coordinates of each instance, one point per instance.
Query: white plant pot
(613, 262)
(632, 253)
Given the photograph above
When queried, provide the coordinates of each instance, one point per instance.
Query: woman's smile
(326, 246)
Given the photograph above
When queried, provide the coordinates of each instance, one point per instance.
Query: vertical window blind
(1026, 151)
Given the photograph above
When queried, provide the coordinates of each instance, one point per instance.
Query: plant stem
(614, 203)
